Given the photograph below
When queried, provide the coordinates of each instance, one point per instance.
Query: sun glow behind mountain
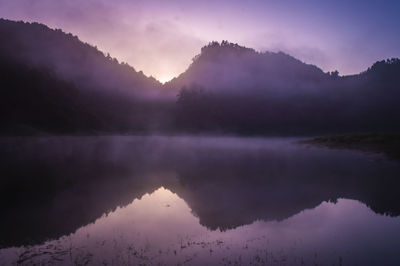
(160, 39)
(163, 78)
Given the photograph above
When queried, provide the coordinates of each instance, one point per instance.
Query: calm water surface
(195, 201)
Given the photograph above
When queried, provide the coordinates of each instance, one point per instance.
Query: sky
(161, 37)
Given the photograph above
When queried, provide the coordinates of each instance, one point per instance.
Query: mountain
(229, 88)
(51, 82)
(36, 45)
(228, 66)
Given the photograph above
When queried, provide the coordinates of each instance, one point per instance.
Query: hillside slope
(230, 88)
(36, 45)
(228, 66)
(52, 83)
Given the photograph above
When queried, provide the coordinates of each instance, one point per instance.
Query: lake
(158, 200)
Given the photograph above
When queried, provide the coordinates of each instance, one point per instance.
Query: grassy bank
(386, 143)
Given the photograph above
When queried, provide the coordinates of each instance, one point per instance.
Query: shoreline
(382, 143)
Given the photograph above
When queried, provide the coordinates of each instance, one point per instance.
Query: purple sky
(161, 37)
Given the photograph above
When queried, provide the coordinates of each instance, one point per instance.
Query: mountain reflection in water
(160, 228)
(212, 201)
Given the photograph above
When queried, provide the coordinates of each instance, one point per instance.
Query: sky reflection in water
(160, 228)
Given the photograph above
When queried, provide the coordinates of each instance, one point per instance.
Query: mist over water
(250, 156)
(203, 200)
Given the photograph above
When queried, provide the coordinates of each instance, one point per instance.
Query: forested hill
(36, 45)
(228, 66)
(53, 83)
(230, 88)
(233, 68)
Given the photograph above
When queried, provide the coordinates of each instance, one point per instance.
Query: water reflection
(160, 228)
(227, 189)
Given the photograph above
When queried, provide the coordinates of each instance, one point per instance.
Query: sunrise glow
(150, 35)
